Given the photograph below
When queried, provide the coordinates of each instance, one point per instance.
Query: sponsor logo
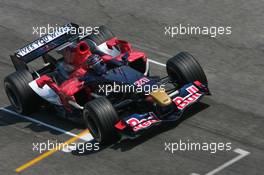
(137, 124)
(141, 81)
(193, 96)
(42, 41)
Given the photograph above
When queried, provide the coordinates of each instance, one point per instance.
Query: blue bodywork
(124, 75)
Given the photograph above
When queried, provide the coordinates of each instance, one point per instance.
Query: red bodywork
(125, 48)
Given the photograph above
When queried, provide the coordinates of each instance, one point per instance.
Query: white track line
(242, 153)
(87, 137)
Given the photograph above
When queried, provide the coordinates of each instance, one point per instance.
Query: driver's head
(96, 64)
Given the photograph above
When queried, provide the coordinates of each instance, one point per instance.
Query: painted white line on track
(87, 137)
(242, 153)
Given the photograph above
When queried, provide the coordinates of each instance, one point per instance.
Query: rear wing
(44, 44)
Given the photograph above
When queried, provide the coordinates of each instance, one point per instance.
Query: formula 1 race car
(101, 81)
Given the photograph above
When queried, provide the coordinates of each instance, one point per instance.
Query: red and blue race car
(102, 82)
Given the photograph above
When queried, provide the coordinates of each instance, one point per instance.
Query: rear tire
(184, 68)
(21, 96)
(100, 118)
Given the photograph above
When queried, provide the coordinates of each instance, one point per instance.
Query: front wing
(189, 94)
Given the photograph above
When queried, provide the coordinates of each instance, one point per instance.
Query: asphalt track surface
(233, 63)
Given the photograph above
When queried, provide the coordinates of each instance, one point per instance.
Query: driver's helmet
(96, 64)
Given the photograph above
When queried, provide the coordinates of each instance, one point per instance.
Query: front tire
(100, 118)
(184, 68)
